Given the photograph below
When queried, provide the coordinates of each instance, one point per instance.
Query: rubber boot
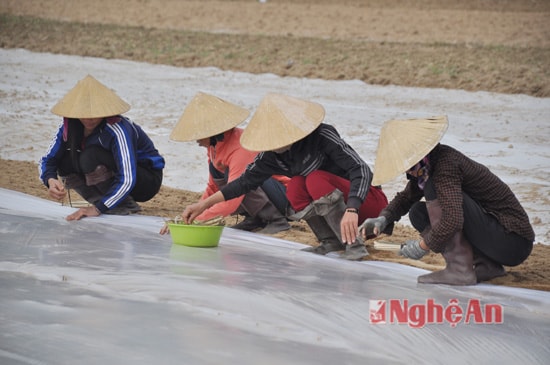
(256, 204)
(487, 269)
(125, 207)
(78, 184)
(319, 207)
(356, 251)
(250, 224)
(328, 241)
(276, 221)
(458, 255)
(333, 214)
(331, 208)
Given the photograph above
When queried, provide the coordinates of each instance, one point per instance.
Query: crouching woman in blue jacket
(102, 155)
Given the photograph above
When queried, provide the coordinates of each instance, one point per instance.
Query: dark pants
(275, 190)
(148, 180)
(487, 236)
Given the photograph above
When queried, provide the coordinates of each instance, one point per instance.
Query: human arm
(349, 226)
(450, 199)
(256, 173)
(229, 160)
(192, 211)
(222, 209)
(56, 189)
(121, 142)
(48, 164)
(398, 207)
(344, 161)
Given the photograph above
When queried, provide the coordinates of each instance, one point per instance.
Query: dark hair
(215, 139)
(75, 135)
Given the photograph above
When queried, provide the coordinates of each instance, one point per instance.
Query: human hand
(349, 227)
(83, 212)
(413, 250)
(193, 211)
(373, 226)
(165, 229)
(56, 189)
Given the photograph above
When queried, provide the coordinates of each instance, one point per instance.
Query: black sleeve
(261, 169)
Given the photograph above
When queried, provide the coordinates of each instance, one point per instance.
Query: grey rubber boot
(356, 251)
(328, 241)
(487, 269)
(333, 213)
(250, 224)
(320, 206)
(458, 255)
(269, 219)
(331, 208)
(276, 221)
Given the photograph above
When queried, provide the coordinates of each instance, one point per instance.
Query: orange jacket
(228, 155)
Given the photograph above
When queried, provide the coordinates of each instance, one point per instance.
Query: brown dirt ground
(498, 46)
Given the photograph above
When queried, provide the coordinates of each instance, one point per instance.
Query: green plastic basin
(195, 235)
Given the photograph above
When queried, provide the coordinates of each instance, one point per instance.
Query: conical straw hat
(403, 143)
(206, 116)
(90, 99)
(281, 120)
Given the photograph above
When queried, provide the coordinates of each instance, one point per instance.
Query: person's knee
(94, 156)
(320, 183)
(296, 193)
(418, 215)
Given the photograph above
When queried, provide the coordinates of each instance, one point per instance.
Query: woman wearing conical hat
(212, 122)
(106, 158)
(470, 216)
(330, 183)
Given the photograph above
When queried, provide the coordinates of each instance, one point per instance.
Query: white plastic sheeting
(112, 290)
(498, 130)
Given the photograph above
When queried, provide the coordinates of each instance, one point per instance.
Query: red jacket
(228, 155)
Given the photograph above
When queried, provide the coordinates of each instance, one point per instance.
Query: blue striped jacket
(129, 144)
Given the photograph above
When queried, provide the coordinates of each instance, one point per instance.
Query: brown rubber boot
(458, 255)
(487, 269)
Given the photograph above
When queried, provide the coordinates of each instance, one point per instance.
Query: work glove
(412, 250)
(370, 224)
